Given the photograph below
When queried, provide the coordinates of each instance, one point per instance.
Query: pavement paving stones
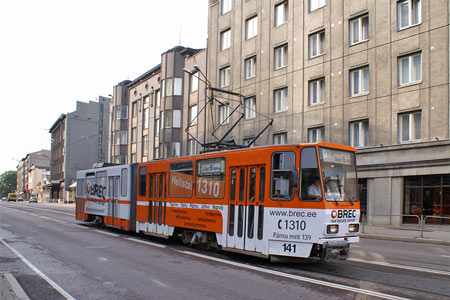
(10, 289)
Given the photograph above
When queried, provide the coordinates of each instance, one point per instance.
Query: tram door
(244, 208)
(113, 198)
(159, 212)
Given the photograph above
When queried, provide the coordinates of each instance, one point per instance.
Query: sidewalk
(438, 235)
(10, 289)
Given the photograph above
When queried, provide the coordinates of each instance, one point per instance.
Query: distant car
(33, 199)
(3, 198)
(12, 197)
(20, 199)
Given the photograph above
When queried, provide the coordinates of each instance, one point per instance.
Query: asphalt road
(53, 256)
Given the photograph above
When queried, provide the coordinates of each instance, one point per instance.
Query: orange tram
(285, 200)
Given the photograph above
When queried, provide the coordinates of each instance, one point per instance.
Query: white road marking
(299, 278)
(107, 233)
(445, 255)
(51, 210)
(385, 264)
(146, 243)
(159, 283)
(39, 272)
(102, 259)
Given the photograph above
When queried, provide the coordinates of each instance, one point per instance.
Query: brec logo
(343, 213)
(97, 190)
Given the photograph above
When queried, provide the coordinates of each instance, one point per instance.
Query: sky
(56, 52)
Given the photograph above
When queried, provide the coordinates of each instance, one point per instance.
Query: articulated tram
(286, 200)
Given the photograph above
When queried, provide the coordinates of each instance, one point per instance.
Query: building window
(409, 13)
(158, 98)
(359, 29)
(145, 100)
(145, 145)
(281, 13)
(280, 56)
(250, 108)
(166, 117)
(316, 44)
(250, 67)
(280, 138)
(176, 119)
(224, 77)
(316, 135)
(224, 113)
(133, 158)
(192, 145)
(409, 126)
(194, 82)
(225, 39)
(410, 69)
(178, 87)
(134, 109)
(316, 91)
(193, 115)
(117, 138)
(428, 196)
(226, 6)
(133, 135)
(359, 133)
(280, 100)
(247, 142)
(251, 27)
(359, 81)
(156, 153)
(157, 128)
(175, 149)
(316, 4)
(145, 118)
(124, 137)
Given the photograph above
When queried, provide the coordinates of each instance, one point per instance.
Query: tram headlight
(353, 227)
(334, 228)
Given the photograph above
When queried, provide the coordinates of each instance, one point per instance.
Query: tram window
(252, 185)
(262, 183)
(116, 189)
(142, 181)
(181, 177)
(210, 178)
(240, 228)
(311, 189)
(90, 182)
(150, 184)
(231, 221)
(251, 221)
(284, 176)
(260, 222)
(160, 186)
(233, 185)
(241, 185)
(111, 187)
(124, 182)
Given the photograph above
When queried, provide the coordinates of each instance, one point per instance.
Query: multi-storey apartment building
(79, 139)
(371, 74)
(30, 172)
(119, 123)
(150, 123)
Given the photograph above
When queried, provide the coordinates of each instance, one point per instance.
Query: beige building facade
(152, 112)
(370, 74)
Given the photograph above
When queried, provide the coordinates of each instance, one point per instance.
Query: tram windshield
(339, 175)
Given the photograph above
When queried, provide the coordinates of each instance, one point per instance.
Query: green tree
(8, 182)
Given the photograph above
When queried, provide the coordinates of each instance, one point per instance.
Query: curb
(404, 239)
(14, 285)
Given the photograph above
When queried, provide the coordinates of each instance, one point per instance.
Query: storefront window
(428, 196)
